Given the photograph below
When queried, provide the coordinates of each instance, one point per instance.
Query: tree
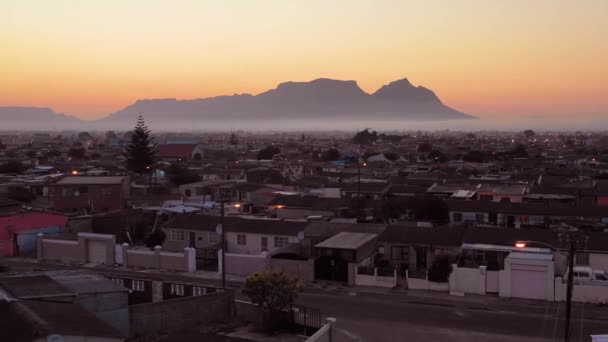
(110, 135)
(179, 175)
(425, 147)
(268, 152)
(519, 151)
(233, 139)
(2, 146)
(474, 157)
(20, 194)
(84, 136)
(140, 151)
(431, 208)
(76, 153)
(365, 137)
(331, 154)
(440, 269)
(392, 156)
(529, 133)
(272, 291)
(436, 155)
(156, 238)
(12, 166)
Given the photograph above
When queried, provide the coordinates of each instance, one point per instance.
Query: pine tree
(140, 151)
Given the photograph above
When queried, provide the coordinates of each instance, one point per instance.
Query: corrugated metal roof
(347, 240)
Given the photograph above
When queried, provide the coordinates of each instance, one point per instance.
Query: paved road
(379, 318)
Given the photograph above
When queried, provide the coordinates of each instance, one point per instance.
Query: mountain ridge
(319, 100)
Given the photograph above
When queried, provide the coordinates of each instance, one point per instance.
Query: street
(379, 318)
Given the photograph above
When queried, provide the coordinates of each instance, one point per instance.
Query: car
(587, 275)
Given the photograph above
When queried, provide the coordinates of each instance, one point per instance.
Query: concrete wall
(594, 294)
(425, 284)
(468, 280)
(375, 280)
(244, 264)
(111, 307)
(157, 259)
(183, 313)
(74, 250)
(505, 277)
(327, 333)
(304, 270)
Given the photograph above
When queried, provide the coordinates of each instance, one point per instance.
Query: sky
(490, 58)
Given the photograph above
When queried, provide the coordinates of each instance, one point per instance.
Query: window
(241, 239)
(212, 238)
(177, 289)
(381, 250)
(177, 235)
(600, 276)
(137, 285)
(582, 259)
(480, 218)
(119, 282)
(280, 241)
(457, 217)
(400, 252)
(66, 192)
(106, 192)
(198, 291)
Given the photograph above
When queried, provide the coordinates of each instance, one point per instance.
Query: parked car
(587, 275)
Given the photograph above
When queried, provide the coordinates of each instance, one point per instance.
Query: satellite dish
(219, 229)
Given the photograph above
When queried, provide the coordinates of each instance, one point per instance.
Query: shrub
(440, 269)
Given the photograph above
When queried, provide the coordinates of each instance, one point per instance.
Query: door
(96, 252)
(492, 281)
(264, 243)
(192, 239)
(420, 258)
(493, 219)
(510, 221)
(529, 281)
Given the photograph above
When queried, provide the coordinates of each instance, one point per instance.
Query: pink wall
(24, 222)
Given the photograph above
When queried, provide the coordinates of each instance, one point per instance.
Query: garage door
(96, 252)
(528, 281)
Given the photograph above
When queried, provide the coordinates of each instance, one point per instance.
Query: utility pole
(569, 288)
(223, 242)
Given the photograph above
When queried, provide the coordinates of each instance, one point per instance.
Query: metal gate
(305, 320)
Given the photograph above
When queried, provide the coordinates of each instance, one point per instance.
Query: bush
(440, 269)
(157, 238)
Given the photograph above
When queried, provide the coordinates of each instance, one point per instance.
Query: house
(179, 152)
(297, 206)
(92, 295)
(368, 190)
(414, 248)
(90, 193)
(511, 193)
(243, 236)
(19, 227)
(35, 320)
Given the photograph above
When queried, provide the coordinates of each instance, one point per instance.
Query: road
(393, 317)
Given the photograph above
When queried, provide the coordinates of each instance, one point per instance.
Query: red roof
(175, 150)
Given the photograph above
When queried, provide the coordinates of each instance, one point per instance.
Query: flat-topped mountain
(321, 100)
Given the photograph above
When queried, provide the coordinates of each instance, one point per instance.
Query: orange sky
(488, 58)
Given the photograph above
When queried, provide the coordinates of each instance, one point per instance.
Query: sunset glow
(487, 58)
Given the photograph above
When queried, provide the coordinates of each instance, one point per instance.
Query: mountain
(35, 118)
(291, 104)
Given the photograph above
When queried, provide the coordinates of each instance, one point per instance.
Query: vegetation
(529, 133)
(436, 155)
(77, 153)
(519, 151)
(140, 151)
(425, 147)
(271, 291)
(156, 238)
(474, 157)
(440, 269)
(233, 139)
(365, 137)
(431, 208)
(331, 154)
(268, 152)
(179, 174)
(12, 166)
(20, 194)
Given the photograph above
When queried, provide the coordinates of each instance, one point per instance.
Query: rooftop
(87, 180)
(347, 240)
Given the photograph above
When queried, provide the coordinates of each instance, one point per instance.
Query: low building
(179, 152)
(90, 193)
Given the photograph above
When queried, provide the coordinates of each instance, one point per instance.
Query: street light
(571, 252)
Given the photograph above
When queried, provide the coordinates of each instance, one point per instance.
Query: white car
(587, 275)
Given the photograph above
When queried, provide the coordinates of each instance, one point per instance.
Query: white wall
(598, 261)
(254, 243)
(375, 280)
(244, 265)
(581, 293)
(468, 280)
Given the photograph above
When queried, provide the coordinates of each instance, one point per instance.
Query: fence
(305, 320)
(372, 276)
(327, 333)
(156, 259)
